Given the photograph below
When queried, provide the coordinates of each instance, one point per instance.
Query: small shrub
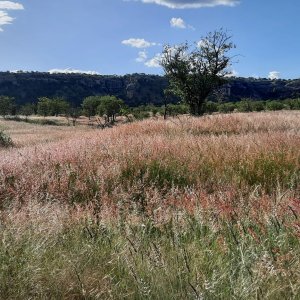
(275, 105)
(177, 109)
(245, 105)
(226, 107)
(42, 122)
(14, 118)
(293, 104)
(211, 107)
(258, 105)
(140, 115)
(5, 140)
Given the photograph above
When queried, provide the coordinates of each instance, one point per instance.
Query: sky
(127, 36)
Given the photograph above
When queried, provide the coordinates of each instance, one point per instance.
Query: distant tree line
(104, 106)
(109, 107)
(249, 105)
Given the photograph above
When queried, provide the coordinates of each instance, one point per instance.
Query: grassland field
(187, 208)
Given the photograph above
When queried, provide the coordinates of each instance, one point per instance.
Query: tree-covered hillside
(134, 89)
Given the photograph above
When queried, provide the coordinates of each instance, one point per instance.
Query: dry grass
(26, 134)
(199, 208)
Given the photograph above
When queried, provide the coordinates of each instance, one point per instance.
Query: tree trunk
(197, 108)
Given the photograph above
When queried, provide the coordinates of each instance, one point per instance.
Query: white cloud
(138, 43)
(232, 73)
(274, 75)
(142, 56)
(178, 23)
(10, 5)
(181, 4)
(154, 62)
(72, 71)
(5, 18)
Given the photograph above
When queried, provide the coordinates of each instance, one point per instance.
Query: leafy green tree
(194, 74)
(90, 104)
(7, 105)
(27, 110)
(58, 106)
(109, 107)
(44, 106)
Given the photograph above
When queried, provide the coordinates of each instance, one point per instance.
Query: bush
(211, 107)
(5, 140)
(275, 105)
(154, 109)
(258, 105)
(140, 115)
(293, 104)
(226, 107)
(177, 109)
(245, 105)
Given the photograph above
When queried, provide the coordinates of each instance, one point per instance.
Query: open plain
(188, 208)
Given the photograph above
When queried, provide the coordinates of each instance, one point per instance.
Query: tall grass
(190, 208)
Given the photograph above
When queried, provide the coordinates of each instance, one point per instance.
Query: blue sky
(126, 36)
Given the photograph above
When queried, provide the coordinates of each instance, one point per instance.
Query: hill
(134, 89)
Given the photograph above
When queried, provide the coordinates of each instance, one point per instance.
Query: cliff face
(263, 89)
(135, 89)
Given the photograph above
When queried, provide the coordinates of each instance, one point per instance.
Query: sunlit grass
(190, 208)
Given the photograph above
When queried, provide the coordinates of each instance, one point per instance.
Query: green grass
(190, 260)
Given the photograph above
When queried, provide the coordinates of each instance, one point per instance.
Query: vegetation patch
(136, 212)
(5, 140)
(269, 172)
(161, 174)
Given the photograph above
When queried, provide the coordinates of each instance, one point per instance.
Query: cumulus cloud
(154, 62)
(138, 43)
(142, 56)
(274, 75)
(178, 23)
(10, 5)
(182, 4)
(72, 71)
(5, 18)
